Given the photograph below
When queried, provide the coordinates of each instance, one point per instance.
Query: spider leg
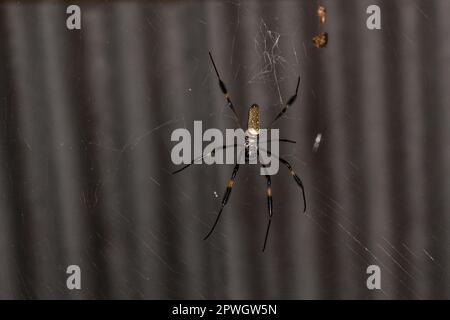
(297, 180)
(294, 175)
(288, 104)
(204, 156)
(224, 90)
(270, 209)
(281, 140)
(225, 198)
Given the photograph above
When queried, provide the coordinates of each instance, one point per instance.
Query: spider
(251, 150)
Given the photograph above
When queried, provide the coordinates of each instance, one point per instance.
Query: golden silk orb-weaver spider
(251, 148)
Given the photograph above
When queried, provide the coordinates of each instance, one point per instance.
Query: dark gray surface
(86, 118)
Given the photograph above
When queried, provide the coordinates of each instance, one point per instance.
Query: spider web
(267, 46)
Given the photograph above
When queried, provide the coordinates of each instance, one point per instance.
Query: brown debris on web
(322, 14)
(321, 40)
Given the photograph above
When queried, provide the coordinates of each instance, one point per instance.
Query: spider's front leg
(297, 180)
(225, 198)
(269, 207)
(294, 175)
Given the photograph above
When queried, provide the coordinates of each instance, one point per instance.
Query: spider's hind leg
(224, 90)
(288, 104)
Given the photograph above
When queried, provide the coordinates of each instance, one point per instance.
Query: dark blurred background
(85, 169)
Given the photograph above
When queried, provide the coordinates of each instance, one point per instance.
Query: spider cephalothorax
(251, 148)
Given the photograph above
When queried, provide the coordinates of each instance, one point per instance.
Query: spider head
(253, 120)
